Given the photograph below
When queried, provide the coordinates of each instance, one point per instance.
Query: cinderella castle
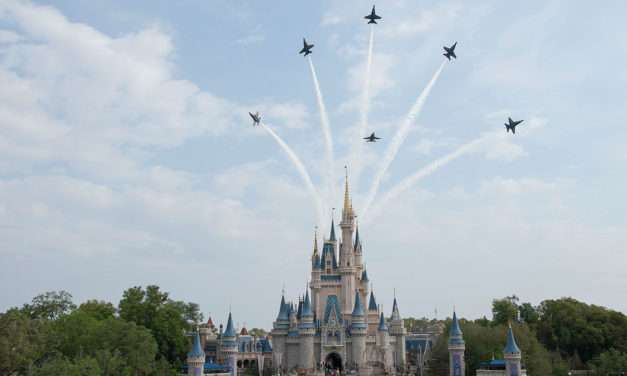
(332, 327)
(331, 330)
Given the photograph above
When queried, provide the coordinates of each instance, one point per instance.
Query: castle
(332, 328)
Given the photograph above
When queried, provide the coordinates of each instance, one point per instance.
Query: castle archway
(333, 362)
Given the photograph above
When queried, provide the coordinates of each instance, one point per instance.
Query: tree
(484, 342)
(62, 366)
(119, 347)
(99, 310)
(505, 310)
(611, 362)
(21, 342)
(257, 332)
(528, 313)
(50, 305)
(570, 327)
(168, 320)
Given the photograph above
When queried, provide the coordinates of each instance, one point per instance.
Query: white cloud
(417, 20)
(329, 19)
(8, 36)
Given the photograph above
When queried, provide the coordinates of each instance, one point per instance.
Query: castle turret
(372, 318)
(397, 330)
(279, 335)
(358, 251)
(228, 346)
(196, 357)
(359, 330)
(383, 341)
(315, 257)
(512, 355)
(316, 272)
(307, 331)
(348, 268)
(456, 348)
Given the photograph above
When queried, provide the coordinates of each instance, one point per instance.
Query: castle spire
(357, 241)
(229, 331)
(396, 316)
(315, 247)
(197, 350)
(358, 310)
(511, 347)
(306, 311)
(372, 304)
(332, 236)
(382, 326)
(348, 207)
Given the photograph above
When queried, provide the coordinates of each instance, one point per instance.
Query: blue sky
(127, 156)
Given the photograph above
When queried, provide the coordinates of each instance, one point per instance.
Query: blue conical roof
(197, 350)
(382, 326)
(364, 275)
(372, 304)
(455, 330)
(307, 312)
(283, 310)
(299, 310)
(230, 331)
(332, 236)
(511, 347)
(358, 310)
(396, 315)
(357, 241)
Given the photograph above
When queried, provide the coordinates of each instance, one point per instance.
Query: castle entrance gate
(333, 364)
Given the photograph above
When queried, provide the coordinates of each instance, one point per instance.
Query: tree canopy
(51, 336)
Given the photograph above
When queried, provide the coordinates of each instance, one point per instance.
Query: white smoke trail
(326, 131)
(365, 109)
(429, 169)
(302, 171)
(399, 138)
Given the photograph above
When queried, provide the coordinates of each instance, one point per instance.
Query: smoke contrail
(326, 130)
(365, 109)
(302, 171)
(399, 137)
(429, 169)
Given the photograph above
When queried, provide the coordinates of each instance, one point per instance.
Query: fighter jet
(372, 138)
(306, 48)
(372, 17)
(512, 125)
(256, 118)
(450, 51)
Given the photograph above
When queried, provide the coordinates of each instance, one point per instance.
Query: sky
(127, 156)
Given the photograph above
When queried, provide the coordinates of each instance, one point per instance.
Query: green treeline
(143, 335)
(555, 337)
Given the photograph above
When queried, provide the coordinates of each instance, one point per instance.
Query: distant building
(219, 352)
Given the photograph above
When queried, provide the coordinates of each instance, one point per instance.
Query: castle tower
(229, 346)
(372, 318)
(279, 335)
(512, 355)
(359, 330)
(307, 331)
(383, 340)
(196, 357)
(397, 330)
(358, 251)
(456, 348)
(316, 272)
(347, 257)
